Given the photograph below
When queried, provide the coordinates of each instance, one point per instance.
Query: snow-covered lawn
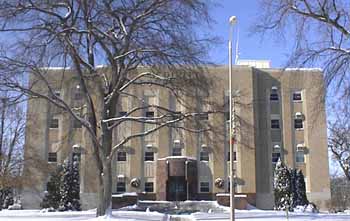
(251, 215)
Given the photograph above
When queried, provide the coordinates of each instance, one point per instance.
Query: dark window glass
(204, 187)
(275, 157)
(274, 96)
(297, 96)
(52, 157)
(176, 151)
(121, 156)
(149, 187)
(76, 155)
(234, 156)
(203, 116)
(204, 156)
(121, 187)
(298, 123)
(299, 157)
(122, 113)
(149, 114)
(57, 93)
(76, 123)
(275, 124)
(78, 95)
(54, 123)
(149, 156)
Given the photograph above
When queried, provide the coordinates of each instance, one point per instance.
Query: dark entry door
(176, 189)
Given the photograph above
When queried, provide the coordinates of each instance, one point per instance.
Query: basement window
(121, 187)
(149, 187)
(204, 187)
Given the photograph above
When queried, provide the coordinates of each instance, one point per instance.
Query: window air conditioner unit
(298, 115)
(121, 177)
(277, 146)
(300, 147)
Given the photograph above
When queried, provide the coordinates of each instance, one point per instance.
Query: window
(150, 114)
(298, 124)
(54, 123)
(177, 151)
(57, 93)
(76, 155)
(299, 157)
(76, 123)
(204, 155)
(204, 187)
(122, 113)
(149, 156)
(52, 157)
(121, 156)
(149, 187)
(78, 95)
(275, 157)
(275, 124)
(274, 95)
(234, 156)
(203, 116)
(297, 96)
(121, 187)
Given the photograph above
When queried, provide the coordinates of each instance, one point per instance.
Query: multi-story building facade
(279, 114)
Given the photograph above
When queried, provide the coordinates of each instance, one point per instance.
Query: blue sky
(250, 46)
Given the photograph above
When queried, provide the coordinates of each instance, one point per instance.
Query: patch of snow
(125, 194)
(177, 157)
(303, 69)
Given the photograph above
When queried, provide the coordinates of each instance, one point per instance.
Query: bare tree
(158, 35)
(339, 139)
(320, 30)
(11, 145)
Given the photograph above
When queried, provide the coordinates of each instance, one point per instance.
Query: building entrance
(176, 188)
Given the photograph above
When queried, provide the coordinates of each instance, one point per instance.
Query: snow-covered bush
(219, 182)
(52, 196)
(15, 206)
(135, 182)
(289, 188)
(282, 187)
(70, 188)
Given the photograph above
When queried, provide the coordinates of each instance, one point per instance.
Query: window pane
(149, 187)
(52, 157)
(275, 157)
(275, 124)
(121, 187)
(234, 156)
(177, 151)
(149, 114)
(76, 124)
(298, 123)
(297, 96)
(204, 156)
(149, 156)
(273, 96)
(204, 187)
(54, 123)
(300, 157)
(121, 156)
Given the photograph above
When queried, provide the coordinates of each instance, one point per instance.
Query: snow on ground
(251, 215)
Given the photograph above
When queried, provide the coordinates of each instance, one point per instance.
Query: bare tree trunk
(2, 128)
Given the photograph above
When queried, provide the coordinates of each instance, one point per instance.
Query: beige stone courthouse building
(280, 115)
